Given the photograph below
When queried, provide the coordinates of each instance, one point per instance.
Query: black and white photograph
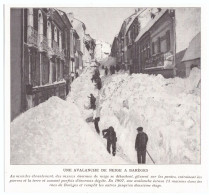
(105, 86)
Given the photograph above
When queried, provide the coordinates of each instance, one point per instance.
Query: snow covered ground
(167, 109)
(55, 132)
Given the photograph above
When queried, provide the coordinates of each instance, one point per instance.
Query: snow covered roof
(194, 49)
(130, 20)
(76, 24)
(150, 24)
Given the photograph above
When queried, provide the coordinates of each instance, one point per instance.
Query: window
(49, 34)
(35, 19)
(58, 37)
(40, 25)
(168, 43)
(60, 40)
(25, 24)
(55, 34)
(159, 45)
(153, 48)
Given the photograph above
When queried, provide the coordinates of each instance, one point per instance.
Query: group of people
(112, 69)
(96, 78)
(109, 133)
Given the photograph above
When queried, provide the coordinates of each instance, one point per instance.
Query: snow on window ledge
(156, 67)
(51, 84)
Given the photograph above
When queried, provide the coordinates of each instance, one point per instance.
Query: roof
(75, 33)
(88, 37)
(194, 49)
(179, 56)
(131, 18)
(63, 14)
(76, 24)
(150, 24)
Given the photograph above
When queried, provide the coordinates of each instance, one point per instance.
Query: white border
(203, 168)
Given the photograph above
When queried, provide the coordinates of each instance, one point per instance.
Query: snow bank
(55, 133)
(81, 89)
(167, 109)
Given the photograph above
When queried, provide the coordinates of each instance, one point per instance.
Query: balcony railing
(43, 43)
(129, 42)
(62, 55)
(56, 48)
(32, 38)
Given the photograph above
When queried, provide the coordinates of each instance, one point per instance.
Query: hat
(139, 129)
(111, 128)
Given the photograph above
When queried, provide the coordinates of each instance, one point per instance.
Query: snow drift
(167, 109)
(55, 133)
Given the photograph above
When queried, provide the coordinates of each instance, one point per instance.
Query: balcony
(50, 52)
(55, 48)
(130, 42)
(62, 55)
(32, 38)
(42, 93)
(43, 43)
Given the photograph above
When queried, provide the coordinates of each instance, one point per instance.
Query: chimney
(70, 16)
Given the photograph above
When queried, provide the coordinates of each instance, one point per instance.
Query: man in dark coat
(97, 73)
(96, 124)
(98, 83)
(106, 70)
(141, 145)
(92, 102)
(110, 135)
(113, 69)
(76, 74)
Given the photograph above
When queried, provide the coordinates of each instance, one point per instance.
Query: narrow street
(139, 77)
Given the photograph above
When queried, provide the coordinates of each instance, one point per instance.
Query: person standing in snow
(97, 73)
(96, 119)
(92, 102)
(113, 69)
(141, 145)
(98, 83)
(76, 74)
(117, 67)
(110, 135)
(106, 71)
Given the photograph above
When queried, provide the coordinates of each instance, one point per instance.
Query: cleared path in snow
(81, 88)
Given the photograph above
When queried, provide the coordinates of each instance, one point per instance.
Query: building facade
(155, 42)
(90, 45)
(155, 45)
(44, 45)
(192, 56)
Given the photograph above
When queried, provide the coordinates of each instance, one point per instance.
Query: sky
(101, 23)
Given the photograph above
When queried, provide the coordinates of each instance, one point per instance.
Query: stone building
(40, 56)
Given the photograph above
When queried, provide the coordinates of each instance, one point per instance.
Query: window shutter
(168, 40)
(159, 45)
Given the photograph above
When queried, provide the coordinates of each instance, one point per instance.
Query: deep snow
(167, 109)
(55, 133)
